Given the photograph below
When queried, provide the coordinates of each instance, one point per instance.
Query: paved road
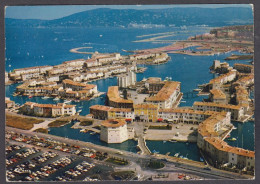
(142, 160)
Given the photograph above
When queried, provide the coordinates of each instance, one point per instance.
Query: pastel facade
(141, 56)
(105, 112)
(184, 115)
(6, 77)
(237, 111)
(246, 81)
(162, 57)
(211, 142)
(76, 86)
(217, 96)
(49, 110)
(29, 73)
(104, 59)
(222, 79)
(9, 103)
(121, 113)
(99, 111)
(77, 62)
(242, 97)
(146, 112)
(168, 96)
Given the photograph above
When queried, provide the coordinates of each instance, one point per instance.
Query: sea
(27, 47)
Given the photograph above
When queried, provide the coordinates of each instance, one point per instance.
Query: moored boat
(56, 99)
(67, 101)
(172, 141)
(176, 154)
(232, 139)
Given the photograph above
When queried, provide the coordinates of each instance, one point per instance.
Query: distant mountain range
(140, 18)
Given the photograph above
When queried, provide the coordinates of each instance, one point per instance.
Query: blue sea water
(44, 46)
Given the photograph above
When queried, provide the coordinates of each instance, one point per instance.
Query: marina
(159, 97)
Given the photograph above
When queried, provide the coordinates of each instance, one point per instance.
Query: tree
(125, 94)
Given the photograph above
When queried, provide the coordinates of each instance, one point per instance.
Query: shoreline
(179, 162)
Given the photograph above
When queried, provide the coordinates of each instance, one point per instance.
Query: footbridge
(142, 145)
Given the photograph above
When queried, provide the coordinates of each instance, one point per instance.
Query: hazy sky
(54, 12)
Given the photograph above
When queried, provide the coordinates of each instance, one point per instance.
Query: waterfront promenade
(172, 165)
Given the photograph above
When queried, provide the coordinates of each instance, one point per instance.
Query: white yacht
(56, 99)
(67, 101)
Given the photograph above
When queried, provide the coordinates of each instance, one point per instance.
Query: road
(142, 160)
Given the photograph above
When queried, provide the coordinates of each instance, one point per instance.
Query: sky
(55, 12)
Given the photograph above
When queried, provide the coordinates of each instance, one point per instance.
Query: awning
(160, 119)
(128, 119)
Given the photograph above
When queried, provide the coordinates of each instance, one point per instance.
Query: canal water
(47, 46)
(68, 132)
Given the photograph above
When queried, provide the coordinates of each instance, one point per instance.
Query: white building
(184, 115)
(6, 77)
(222, 79)
(53, 78)
(113, 131)
(237, 111)
(49, 110)
(169, 96)
(126, 80)
(91, 63)
(77, 62)
(124, 113)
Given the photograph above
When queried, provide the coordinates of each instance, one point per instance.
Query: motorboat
(45, 97)
(172, 141)
(56, 99)
(233, 139)
(176, 154)
(67, 101)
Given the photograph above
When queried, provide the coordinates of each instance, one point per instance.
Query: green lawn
(24, 123)
(155, 164)
(58, 123)
(86, 123)
(41, 130)
(161, 127)
(117, 161)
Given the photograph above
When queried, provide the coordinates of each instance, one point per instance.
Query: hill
(140, 18)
